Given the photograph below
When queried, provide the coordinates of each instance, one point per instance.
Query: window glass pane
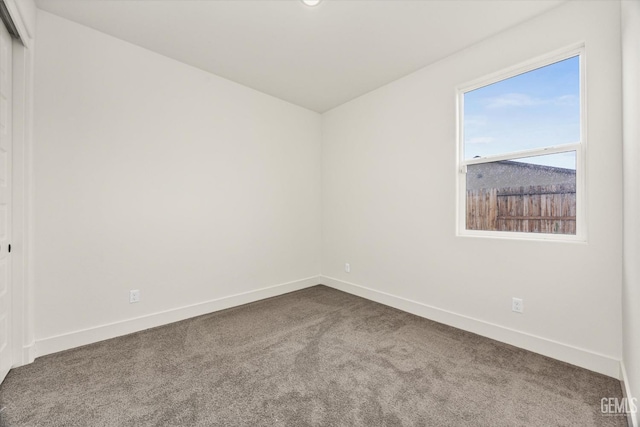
(532, 194)
(540, 108)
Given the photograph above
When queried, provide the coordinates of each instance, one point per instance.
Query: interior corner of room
(146, 190)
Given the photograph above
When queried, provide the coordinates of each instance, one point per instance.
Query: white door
(5, 201)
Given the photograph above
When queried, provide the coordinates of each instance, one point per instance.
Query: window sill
(513, 235)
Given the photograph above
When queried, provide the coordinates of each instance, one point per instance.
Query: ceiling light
(311, 2)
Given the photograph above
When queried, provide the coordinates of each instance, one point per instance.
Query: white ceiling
(316, 57)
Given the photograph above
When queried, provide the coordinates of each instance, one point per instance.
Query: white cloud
(566, 100)
(512, 100)
(524, 100)
(475, 120)
(480, 140)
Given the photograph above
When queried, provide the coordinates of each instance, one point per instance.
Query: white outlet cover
(517, 305)
(134, 296)
(347, 268)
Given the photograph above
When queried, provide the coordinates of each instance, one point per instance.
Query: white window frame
(579, 148)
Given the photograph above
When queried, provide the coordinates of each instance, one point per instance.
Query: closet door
(5, 201)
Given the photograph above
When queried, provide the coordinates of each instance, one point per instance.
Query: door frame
(22, 285)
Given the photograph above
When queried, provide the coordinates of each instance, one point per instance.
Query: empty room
(319, 213)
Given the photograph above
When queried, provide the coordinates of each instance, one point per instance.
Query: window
(521, 152)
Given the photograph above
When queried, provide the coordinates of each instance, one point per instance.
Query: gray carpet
(316, 357)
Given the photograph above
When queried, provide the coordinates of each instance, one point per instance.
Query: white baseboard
(29, 353)
(626, 391)
(583, 358)
(576, 356)
(26, 355)
(82, 337)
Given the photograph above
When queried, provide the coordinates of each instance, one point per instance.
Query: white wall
(389, 202)
(631, 151)
(153, 175)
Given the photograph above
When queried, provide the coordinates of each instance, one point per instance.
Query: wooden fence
(536, 209)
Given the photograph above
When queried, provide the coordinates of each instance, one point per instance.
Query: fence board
(536, 209)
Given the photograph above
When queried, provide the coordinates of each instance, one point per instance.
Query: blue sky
(532, 110)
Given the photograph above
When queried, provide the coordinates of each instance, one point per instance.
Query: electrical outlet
(347, 268)
(134, 296)
(517, 305)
